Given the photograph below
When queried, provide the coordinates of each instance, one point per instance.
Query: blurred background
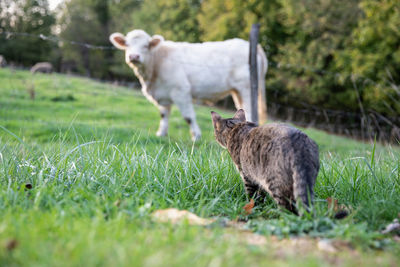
(333, 64)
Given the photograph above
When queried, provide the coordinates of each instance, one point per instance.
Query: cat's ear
(240, 115)
(215, 117)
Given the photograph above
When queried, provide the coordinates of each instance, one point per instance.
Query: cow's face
(137, 45)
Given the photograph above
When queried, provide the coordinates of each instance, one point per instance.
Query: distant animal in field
(3, 62)
(43, 67)
(274, 158)
(178, 72)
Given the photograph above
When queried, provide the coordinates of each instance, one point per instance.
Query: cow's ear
(240, 115)
(118, 40)
(155, 40)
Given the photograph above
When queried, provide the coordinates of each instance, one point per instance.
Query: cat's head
(222, 127)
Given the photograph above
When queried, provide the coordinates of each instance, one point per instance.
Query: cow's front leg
(164, 113)
(183, 100)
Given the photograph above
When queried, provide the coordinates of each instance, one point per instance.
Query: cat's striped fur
(274, 158)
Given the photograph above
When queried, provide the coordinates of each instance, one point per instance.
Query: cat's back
(279, 140)
(273, 132)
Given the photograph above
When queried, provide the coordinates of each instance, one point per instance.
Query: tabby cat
(274, 158)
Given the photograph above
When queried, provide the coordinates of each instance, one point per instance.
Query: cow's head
(137, 45)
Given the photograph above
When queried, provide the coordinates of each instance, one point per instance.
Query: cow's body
(43, 67)
(177, 73)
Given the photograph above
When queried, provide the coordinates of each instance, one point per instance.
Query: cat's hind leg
(304, 180)
(286, 203)
(250, 187)
(253, 190)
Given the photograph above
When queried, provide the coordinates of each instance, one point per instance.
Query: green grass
(98, 171)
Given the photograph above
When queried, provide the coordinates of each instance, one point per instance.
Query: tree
(92, 22)
(31, 17)
(318, 32)
(220, 20)
(373, 56)
(86, 22)
(174, 19)
(121, 14)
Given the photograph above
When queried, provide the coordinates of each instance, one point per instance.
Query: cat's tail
(262, 71)
(303, 185)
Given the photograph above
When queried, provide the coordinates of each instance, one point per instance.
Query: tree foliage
(174, 19)
(30, 17)
(373, 56)
(329, 53)
(85, 22)
(318, 32)
(220, 20)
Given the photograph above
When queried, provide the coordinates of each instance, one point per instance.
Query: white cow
(178, 72)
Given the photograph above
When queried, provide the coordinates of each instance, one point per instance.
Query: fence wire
(278, 65)
(61, 41)
(57, 40)
(369, 125)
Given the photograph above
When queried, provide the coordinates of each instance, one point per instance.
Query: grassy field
(98, 171)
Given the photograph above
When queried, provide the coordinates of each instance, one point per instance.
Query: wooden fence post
(253, 71)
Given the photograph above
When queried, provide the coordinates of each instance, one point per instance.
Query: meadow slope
(81, 170)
